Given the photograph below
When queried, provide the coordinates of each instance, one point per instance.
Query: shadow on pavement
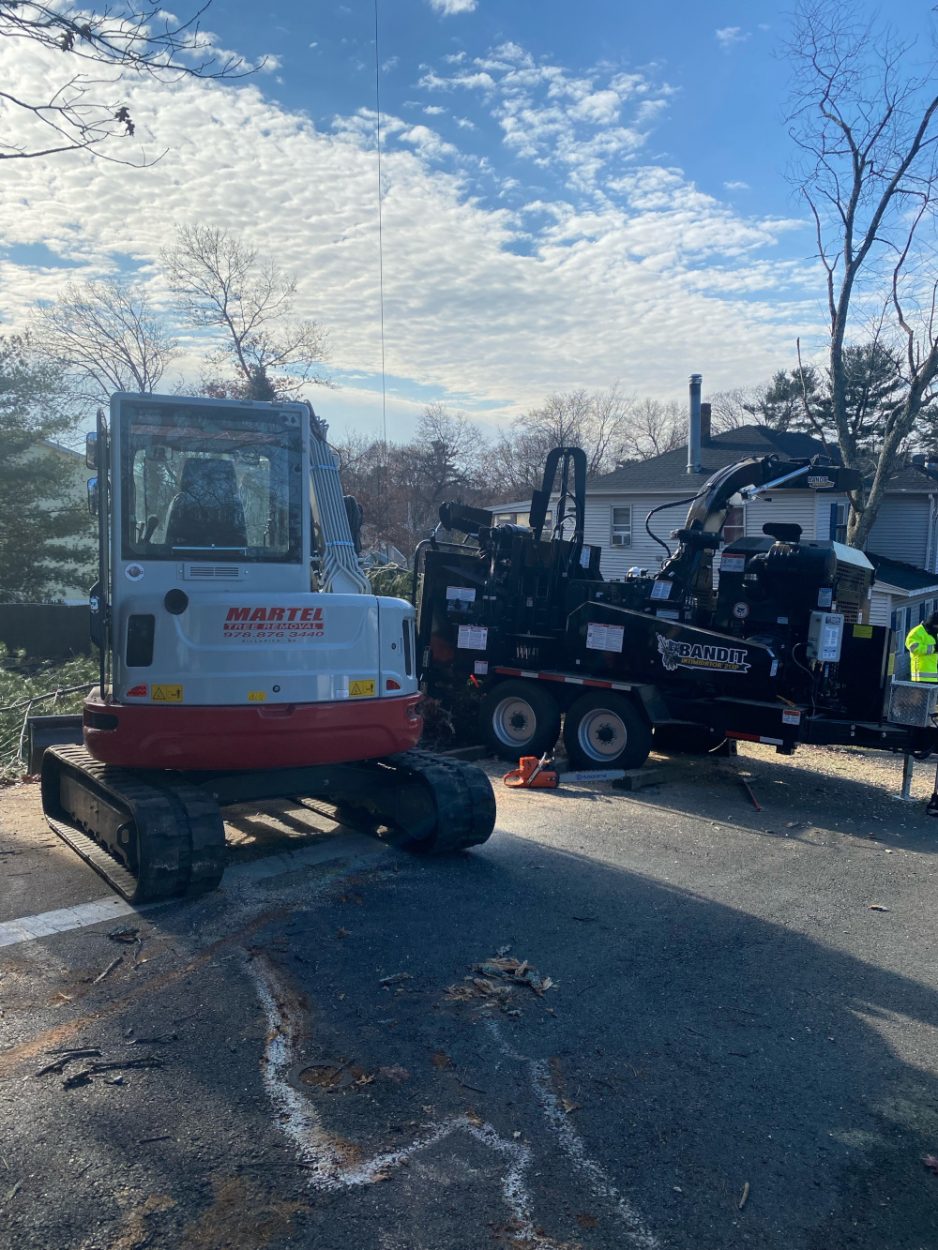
(700, 1048)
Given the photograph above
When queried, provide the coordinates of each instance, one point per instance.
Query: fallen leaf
(569, 1106)
(931, 1162)
(587, 1221)
(441, 1060)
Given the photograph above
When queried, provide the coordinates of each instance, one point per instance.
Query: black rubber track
(179, 830)
(462, 796)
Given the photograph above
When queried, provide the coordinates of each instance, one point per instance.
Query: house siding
(900, 531)
(881, 608)
(643, 551)
(791, 507)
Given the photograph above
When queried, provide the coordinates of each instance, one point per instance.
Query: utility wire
(384, 388)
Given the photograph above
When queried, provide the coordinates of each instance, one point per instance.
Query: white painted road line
(29, 928)
(354, 850)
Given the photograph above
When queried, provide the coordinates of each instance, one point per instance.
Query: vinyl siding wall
(791, 507)
(643, 551)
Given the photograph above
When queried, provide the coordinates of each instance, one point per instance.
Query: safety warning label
(604, 637)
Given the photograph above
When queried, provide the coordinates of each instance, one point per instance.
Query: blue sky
(575, 195)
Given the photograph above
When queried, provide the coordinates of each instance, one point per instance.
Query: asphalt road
(737, 1047)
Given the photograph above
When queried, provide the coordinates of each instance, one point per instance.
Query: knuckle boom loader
(242, 654)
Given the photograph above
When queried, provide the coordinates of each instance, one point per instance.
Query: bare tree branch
(106, 337)
(222, 284)
(99, 50)
(867, 129)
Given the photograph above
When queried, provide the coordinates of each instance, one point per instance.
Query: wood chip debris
(518, 971)
(744, 1196)
(494, 981)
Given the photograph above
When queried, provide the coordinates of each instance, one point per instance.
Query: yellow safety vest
(922, 648)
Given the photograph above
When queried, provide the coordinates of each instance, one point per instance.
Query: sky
(572, 195)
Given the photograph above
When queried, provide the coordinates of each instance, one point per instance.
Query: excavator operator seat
(207, 511)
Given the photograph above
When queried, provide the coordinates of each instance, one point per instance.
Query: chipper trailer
(242, 654)
(776, 648)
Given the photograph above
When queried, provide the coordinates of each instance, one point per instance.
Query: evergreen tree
(45, 535)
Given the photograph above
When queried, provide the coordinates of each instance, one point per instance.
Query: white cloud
(736, 185)
(450, 8)
(434, 110)
(609, 286)
(729, 36)
(574, 123)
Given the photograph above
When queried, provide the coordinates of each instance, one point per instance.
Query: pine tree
(45, 535)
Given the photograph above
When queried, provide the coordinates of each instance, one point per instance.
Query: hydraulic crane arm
(690, 566)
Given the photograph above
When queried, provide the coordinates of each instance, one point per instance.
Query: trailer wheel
(519, 718)
(606, 731)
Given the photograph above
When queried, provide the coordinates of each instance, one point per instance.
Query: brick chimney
(705, 425)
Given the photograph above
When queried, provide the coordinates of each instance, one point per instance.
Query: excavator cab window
(231, 490)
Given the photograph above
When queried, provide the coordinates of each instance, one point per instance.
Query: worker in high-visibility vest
(922, 646)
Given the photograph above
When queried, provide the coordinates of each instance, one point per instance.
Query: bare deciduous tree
(224, 285)
(83, 108)
(598, 422)
(105, 336)
(866, 128)
(652, 429)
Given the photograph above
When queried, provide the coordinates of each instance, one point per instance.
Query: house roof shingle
(904, 577)
(668, 472)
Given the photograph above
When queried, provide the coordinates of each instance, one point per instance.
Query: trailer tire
(519, 718)
(606, 730)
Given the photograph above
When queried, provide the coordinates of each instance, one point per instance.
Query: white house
(903, 544)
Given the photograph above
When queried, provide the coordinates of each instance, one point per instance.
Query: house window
(734, 526)
(621, 535)
(838, 529)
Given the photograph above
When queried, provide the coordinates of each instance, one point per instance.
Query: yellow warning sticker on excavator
(361, 689)
(166, 694)
(257, 696)
(863, 631)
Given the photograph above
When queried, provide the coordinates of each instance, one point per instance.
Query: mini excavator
(242, 654)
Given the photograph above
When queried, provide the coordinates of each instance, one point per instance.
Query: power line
(384, 388)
